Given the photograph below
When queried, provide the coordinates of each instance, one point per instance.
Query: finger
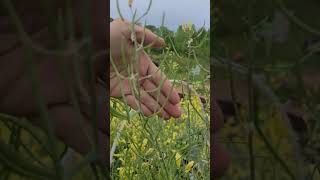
(220, 160)
(120, 87)
(149, 101)
(101, 64)
(148, 37)
(217, 117)
(159, 79)
(102, 105)
(142, 34)
(172, 110)
(134, 103)
(165, 115)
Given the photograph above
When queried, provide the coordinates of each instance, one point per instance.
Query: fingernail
(179, 112)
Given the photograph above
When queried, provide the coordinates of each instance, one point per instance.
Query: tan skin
(120, 34)
(17, 98)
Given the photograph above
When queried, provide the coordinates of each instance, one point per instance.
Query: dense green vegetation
(151, 148)
(270, 50)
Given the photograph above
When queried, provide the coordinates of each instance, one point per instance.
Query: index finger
(159, 79)
(148, 37)
(143, 35)
(217, 116)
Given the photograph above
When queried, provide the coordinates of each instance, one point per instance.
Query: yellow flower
(189, 166)
(133, 155)
(122, 160)
(175, 65)
(122, 141)
(184, 116)
(117, 155)
(144, 143)
(187, 27)
(174, 135)
(178, 159)
(135, 138)
(132, 147)
(145, 164)
(121, 171)
(149, 151)
(190, 25)
(168, 141)
(184, 29)
(196, 103)
(130, 3)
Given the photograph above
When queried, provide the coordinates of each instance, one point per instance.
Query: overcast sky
(177, 12)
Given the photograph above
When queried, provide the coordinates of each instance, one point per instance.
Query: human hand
(16, 90)
(220, 157)
(150, 77)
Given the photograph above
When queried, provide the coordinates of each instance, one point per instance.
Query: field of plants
(141, 148)
(266, 69)
(154, 148)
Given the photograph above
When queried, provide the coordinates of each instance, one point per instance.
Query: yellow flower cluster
(196, 102)
(130, 3)
(146, 145)
(187, 27)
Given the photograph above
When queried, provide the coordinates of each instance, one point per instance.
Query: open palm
(145, 88)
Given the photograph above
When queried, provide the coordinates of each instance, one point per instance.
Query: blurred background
(266, 72)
